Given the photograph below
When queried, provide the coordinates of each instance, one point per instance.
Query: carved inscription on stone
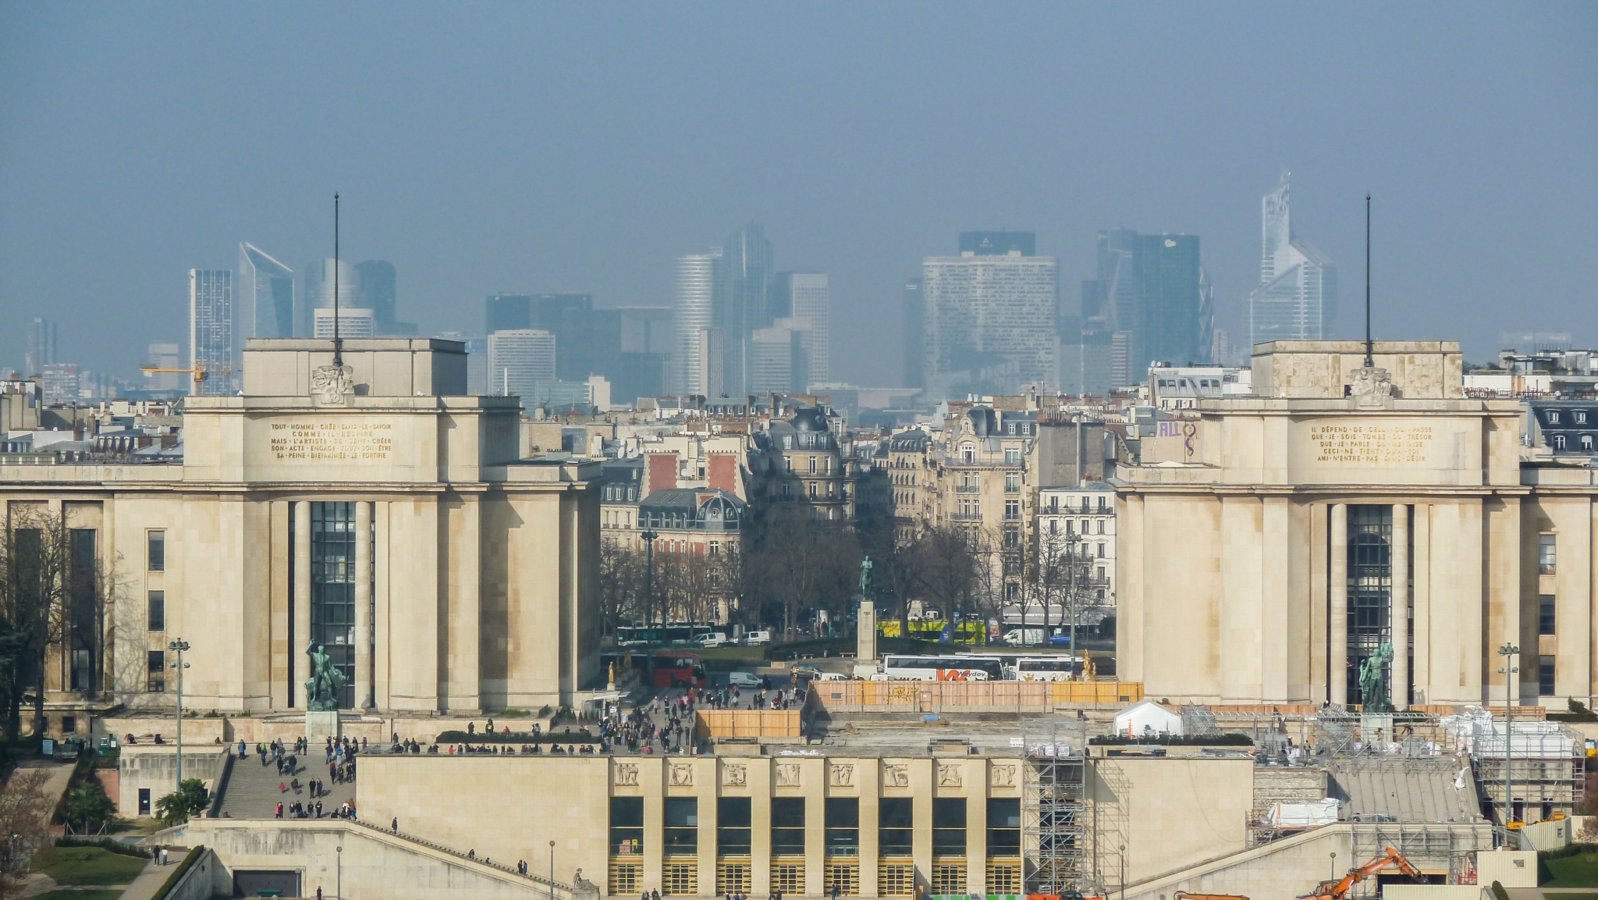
(332, 441)
(1371, 444)
(626, 774)
(682, 774)
(841, 774)
(787, 774)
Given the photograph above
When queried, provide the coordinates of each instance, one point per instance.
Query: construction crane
(197, 373)
(1334, 890)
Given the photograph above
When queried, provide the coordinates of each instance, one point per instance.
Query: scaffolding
(1053, 806)
(1546, 763)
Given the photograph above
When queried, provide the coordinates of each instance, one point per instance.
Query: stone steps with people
(254, 790)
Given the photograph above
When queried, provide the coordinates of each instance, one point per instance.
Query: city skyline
(839, 185)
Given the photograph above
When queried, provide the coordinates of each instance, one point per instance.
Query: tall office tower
(506, 312)
(353, 322)
(990, 322)
(806, 299)
(1150, 301)
(318, 292)
(646, 341)
(378, 292)
(162, 355)
(41, 350)
(266, 295)
(743, 301)
(61, 383)
(913, 328)
(694, 315)
(589, 339)
(778, 357)
(1297, 295)
(521, 361)
(211, 331)
(998, 243)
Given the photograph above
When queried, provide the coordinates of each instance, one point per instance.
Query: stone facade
(378, 510)
(1344, 507)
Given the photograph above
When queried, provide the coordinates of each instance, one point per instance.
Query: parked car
(757, 638)
(743, 679)
(714, 639)
(1023, 637)
(1063, 639)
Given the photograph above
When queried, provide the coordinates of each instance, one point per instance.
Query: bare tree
(621, 584)
(946, 566)
(53, 593)
(795, 562)
(24, 821)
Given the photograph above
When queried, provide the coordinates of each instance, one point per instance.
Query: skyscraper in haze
(1297, 295)
(805, 299)
(1151, 301)
(379, 292)
(990, 320)
(503, 312)
(355, 320)
(521, 361)
(697, 363)
(743, 301)
(41, 349)
(211, 339)
(266, 295)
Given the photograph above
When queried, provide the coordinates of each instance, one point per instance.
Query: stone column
(302, 602)
(363, 604)
(1400, 606)
(1337, 615)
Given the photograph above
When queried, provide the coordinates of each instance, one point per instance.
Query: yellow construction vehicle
(1335, 890)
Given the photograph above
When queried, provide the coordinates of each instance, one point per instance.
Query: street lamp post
(179, 646)
(1123, 871)
(1334, 865)
(551, 870)
(339, 884)
(649, 536)
(1509, 652)
(1071, 541)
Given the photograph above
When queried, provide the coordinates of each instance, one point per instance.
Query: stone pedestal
(1376, 728)
(319, 726)
(866, 632)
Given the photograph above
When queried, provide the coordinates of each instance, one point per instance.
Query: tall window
(1370, 588)
(682, 825)
(1012, 482)
(843, 826)
(155, 671)
(83, 607)
(1004, 827)
(627, 825)
(948, 826)
(155, 551)
(1012, 456)
(787, 825)
(1547, 554)
(1545, 676)
(812, 465)
(732, 825)
(896, 826)
(155, 610)
(1012, 510)
(1545, 614)
(333, 588)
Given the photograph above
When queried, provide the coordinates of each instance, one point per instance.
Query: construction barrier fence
(972, 696)
(722, 724)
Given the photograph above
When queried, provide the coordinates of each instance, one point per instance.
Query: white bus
(1047, 668)
(896, 667)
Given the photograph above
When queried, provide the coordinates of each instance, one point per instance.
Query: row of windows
(895, 876)
(840, 826)
(1578, 416)
(1077, 526)
(1584, 442)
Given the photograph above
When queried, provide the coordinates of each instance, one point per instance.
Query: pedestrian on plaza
(394, 825)
(280, 809)
(164, 859)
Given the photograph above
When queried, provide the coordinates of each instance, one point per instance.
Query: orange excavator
(1335, 890)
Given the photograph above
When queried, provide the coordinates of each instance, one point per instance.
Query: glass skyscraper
(989, 322)
(211, 331)
(1297, 294)
(266, 295)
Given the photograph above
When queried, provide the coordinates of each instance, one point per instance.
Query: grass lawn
(79, 895)
(1580, 870)
(86, 865)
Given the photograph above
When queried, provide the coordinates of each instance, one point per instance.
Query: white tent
(1147, 718)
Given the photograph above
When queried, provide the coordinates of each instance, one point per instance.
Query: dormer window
(1553, 417)
(1581, 416)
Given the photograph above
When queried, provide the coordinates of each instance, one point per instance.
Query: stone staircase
(251, 790)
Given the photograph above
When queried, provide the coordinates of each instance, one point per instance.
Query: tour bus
(676, 668)
(896, 667)
(657, 635)
(1047, 668)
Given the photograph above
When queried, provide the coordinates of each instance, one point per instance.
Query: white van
(757, 638)
(714, 639)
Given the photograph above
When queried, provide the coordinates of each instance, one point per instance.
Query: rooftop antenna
(1370, 363)
(338, 342)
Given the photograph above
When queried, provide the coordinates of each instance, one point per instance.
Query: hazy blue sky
(514, 146)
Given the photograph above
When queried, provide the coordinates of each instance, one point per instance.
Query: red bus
(676, 668)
